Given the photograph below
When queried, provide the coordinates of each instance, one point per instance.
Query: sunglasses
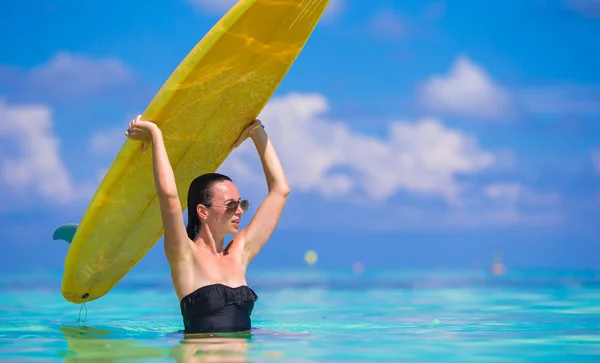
(233, 205)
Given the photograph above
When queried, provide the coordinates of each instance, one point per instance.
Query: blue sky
(461, 128)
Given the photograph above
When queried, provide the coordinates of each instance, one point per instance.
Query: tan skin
(207, 260)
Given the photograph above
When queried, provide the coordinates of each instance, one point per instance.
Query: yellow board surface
(217, 90)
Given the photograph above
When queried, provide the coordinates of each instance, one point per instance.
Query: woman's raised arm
(170, 207)
(262, 225)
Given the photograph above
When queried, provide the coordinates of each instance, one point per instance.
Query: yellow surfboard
(217, 90)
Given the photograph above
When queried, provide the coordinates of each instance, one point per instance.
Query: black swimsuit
(218, 308)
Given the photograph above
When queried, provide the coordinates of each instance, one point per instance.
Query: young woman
(209, 277)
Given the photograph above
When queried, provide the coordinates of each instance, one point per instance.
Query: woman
(209, 277)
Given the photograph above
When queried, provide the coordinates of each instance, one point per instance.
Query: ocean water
(315, 315)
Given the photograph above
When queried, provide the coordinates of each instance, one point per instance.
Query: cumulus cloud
(327, 157)
(69, 76)
(420, 174)
(222, 6)
(72, 74)
(465, 90)
(32, 165)
(32, 170)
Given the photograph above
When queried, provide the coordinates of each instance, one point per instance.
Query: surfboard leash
(79, 321)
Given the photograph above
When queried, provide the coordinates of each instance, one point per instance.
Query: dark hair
(200, 192)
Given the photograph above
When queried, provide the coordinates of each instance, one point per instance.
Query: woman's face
(226, 209)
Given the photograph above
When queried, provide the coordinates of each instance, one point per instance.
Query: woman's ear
(202, 211)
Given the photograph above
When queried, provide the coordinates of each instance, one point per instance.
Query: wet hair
(200, 192)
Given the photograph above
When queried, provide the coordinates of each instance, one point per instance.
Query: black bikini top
(218, 308)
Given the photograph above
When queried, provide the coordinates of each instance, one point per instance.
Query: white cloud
(34, 165)
(415, 163)
(327, 157)
(466, 90)
(595, 154)
(31, 167)
(222, 6)
(75, 75)
(513, 193)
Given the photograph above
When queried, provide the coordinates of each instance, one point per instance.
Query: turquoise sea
(314, 315)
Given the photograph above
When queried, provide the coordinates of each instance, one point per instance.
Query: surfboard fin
(65, 232)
